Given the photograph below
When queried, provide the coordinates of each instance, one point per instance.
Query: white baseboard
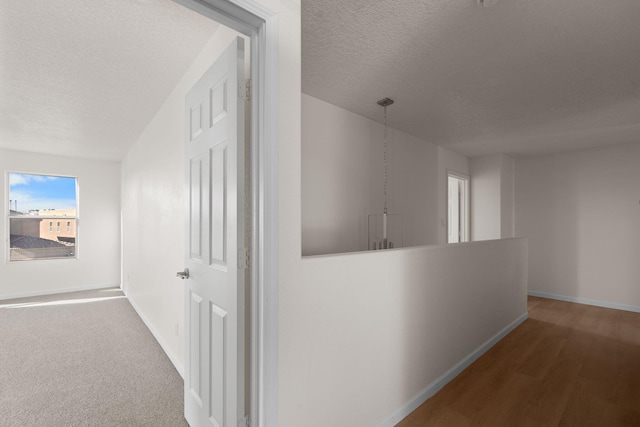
(60, 291)
(579, 300)
(168, 352)
(436, 385)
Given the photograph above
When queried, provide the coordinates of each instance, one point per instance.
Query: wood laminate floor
(567, 365)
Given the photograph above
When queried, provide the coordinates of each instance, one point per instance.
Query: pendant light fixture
(385, 230)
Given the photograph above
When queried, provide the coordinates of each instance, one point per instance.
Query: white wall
(507, 197)
(485, 198)
(581, 213)
(371, 330)
(335, 178)
(98, 263)
(343, 180)
(492, 197)
(355, 330)
(153, 204)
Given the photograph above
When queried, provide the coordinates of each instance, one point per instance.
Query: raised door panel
(218, 226)
(195, 347)
(196, 115)
(217, 382)
(196, 197)
(218, 98)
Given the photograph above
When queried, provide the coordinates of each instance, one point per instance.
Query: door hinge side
(243, 258)
(244, 90)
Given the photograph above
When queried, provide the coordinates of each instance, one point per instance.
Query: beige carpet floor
(83, 359)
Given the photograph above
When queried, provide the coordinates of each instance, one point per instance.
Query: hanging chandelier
(385, 230)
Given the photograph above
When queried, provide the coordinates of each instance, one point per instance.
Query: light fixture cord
(386, 161)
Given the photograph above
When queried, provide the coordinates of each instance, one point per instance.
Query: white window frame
(50, 218)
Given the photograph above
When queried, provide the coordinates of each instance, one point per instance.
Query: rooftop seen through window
(34, 200)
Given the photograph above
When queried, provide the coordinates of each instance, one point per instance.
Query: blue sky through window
(39, 192)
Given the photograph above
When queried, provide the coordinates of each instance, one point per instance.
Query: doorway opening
(250, 18)
(458, 207)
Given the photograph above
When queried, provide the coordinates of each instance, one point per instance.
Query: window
(35, 203)
(458, 208)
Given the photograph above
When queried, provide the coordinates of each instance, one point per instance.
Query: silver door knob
(183, 274)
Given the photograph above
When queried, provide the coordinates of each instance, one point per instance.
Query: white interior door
(215, 287)
(454, 210)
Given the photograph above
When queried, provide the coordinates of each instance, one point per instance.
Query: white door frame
(466, 237)
(260, 24)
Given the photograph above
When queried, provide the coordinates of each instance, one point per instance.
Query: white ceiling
(83, 78)
(523, 77)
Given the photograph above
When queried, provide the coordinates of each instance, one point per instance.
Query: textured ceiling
(522, 77)
(84, 77)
